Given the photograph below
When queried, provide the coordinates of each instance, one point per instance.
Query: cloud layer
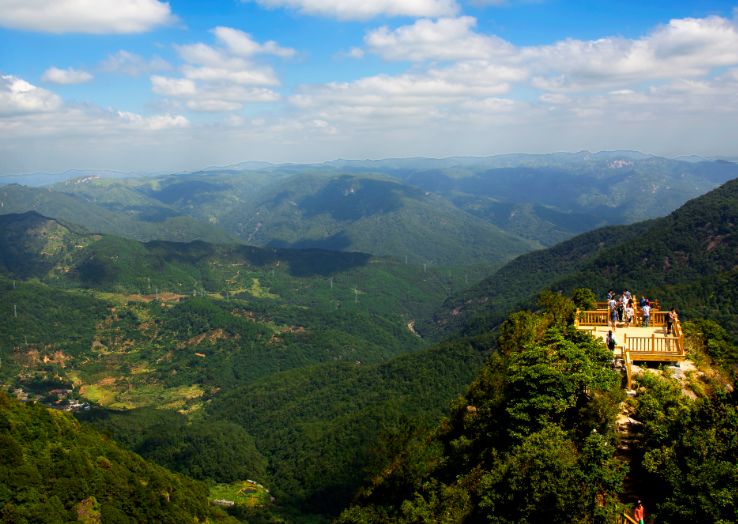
(364, 10)
(438, 85)
(225, 76)
(55, 75)
(85, 16)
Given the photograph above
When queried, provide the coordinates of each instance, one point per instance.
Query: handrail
(654, 344)
(629, 519)
(592, 318)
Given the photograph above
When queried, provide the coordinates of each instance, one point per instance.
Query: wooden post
(653, 342)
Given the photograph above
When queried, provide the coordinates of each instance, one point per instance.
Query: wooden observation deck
(636, 343)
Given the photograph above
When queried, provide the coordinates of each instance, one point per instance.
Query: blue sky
(155, 86)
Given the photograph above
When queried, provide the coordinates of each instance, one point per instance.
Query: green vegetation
(282, 365)
(116, 218)
(532, 440)
(214, 451)
(321, 426)
(52, 469)
(686, 462)
(687, 259)
(303, 371)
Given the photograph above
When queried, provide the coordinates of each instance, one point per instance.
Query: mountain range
(443, 212)
(319, 371)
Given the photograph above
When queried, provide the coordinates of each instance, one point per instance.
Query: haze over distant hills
(452, 211)
(688, 259)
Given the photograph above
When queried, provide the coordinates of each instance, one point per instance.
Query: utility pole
(331, 281)
(15, 311)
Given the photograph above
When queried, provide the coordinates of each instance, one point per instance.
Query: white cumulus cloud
(85, 16)
(240, 43)
(173, 86)
(67, 76)
(225, 76)
(153, 123)
(442, 39)
(18, 96)
(682, 48)
(366, 9)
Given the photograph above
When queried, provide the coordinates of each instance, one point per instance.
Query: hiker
(646, 314)
(613, 314)
(639, 513)
(610, 341)
(670, 318)
(629, 313)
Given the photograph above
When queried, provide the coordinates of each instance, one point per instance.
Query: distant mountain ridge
(469, 211)
(687, 259)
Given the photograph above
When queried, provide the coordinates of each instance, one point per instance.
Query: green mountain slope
(688, 259)
(549, 198)
(147, 223)
(277, 345)
(373, 215)
(456, 211)
(532, 440)
(535, 438)
(52, 469)
(327, 427)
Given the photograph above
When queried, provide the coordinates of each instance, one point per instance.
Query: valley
(319, 371)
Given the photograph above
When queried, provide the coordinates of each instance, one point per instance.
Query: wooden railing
(591, 318)
(628, 368)
(654, 344)
(627, 519)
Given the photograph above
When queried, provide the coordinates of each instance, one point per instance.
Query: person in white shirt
(646, 314)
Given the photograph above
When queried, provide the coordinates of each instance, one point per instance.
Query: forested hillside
(687, 259)
(54, 469)
(535, 438)
(454, 211)
(227, 362)
(150, 224)
(304, 369)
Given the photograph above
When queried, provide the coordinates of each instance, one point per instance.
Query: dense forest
(535, 437)
(54, 469)
(686, 258)
(318, 375)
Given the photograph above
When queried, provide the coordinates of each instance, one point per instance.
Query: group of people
(621, 309)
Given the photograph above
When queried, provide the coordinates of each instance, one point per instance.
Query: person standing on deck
(629, 313)
(613, 313)
(646, 314)
(670, 317)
